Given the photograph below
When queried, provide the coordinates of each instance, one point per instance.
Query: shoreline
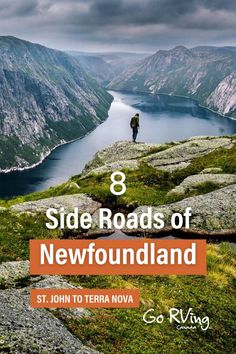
(18, 169)
(172, 95)
(43, 158)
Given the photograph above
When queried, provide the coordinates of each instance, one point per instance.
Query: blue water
(163, 118)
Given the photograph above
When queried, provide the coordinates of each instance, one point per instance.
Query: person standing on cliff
(134, 124)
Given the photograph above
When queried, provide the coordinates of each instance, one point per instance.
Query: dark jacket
(134, 123)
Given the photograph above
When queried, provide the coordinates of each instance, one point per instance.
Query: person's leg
(135, 133)
(134, 137)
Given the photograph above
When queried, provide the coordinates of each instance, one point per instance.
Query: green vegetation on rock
(123, 330)
(149, 182)
(148, 185)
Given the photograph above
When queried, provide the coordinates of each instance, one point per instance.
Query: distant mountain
(105, 66)
(96, 67)
(46, 99)
(207, 74)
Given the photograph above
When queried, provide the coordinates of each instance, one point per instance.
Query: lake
(162, 118)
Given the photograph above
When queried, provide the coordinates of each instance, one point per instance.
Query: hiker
(134, 124)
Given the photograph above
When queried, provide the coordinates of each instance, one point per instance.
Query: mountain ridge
(105, 66)
(201, 73)
(46, 99)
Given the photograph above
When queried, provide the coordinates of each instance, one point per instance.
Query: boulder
(119, 151)
(167, 157)
(212, 170)
(181, 155)
(114, 166)
(27, 330)
(58, 282)
(212, 213)
(82, 201)
(12, 272)
(191, 183)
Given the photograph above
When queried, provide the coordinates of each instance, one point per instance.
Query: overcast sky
(115, 25)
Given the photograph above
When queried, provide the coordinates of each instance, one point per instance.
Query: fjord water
(163, 118)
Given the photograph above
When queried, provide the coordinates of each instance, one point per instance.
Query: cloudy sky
(115, 25)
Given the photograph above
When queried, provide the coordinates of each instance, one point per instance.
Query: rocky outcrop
(120, 152)
(12, 272)
(218, 219)
(169, 157)
(27, 330)
(181, 155)
(113, 166)
(165, 157)
(46, 99)
(191, 183)
(83, 202)
(212, 170)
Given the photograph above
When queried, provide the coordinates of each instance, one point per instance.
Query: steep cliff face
(223, 98)
(203, 73)
(46, 99)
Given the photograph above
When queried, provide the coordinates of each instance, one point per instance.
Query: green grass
(144, 186)
(222, 158)
(150, 186)
(204, 187)
(123, 330)
(201, 188)
(160, 148)
(17, 229)
(62, 189)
